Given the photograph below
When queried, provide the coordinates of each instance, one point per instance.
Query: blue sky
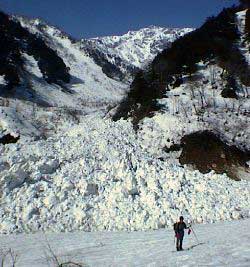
(84, 18)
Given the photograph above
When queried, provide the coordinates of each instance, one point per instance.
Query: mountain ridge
(138, 48)
(97, 80)
(214, 41)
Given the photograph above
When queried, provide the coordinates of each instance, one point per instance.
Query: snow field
(223, 244)
(100, 175)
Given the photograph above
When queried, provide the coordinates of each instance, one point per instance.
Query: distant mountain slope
(44, 69)
(93, 81)
(15, 41)
(45, 73)
(134, 50)
(218, 42)
(199, 89)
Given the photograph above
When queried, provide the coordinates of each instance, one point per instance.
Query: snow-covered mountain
(47, 78)
(136, 49)
(95, 79)
(201, 86)
(178, 143)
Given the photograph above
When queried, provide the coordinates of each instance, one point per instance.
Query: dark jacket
(179, 228)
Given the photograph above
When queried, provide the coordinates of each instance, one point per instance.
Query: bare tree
(212, 72)
(55, 260)
(9, 255)
(191, 89)
(184, 109)
(202, 97)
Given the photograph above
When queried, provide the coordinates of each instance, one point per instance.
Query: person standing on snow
(179, 228)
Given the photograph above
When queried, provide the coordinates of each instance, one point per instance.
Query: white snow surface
(241, 24)
(101, 175)
(2, 80)
(139, 47)
(221, 244)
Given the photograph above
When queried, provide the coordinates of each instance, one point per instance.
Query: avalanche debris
(100, 175)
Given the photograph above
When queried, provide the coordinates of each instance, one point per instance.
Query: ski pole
(195, 234)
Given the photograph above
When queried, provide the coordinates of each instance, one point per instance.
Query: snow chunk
(2, 80)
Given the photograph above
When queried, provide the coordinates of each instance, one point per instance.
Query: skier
(179, 228)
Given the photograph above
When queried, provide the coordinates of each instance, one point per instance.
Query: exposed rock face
(9, 139)
(206, 152)
(228, 93)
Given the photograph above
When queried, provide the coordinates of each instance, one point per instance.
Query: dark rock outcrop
(205, 151)
(9, 139)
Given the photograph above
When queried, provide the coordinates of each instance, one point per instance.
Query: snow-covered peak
(130, 51)
(139, 47)
(37, 26)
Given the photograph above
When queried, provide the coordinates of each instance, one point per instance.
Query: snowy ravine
(222, 244)
(74, 169)
(101, 175)
(38, 108)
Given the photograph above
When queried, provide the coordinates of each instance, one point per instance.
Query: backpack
(176, 226)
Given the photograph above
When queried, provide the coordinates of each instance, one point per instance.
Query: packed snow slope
(221, 244)
(101, 175)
